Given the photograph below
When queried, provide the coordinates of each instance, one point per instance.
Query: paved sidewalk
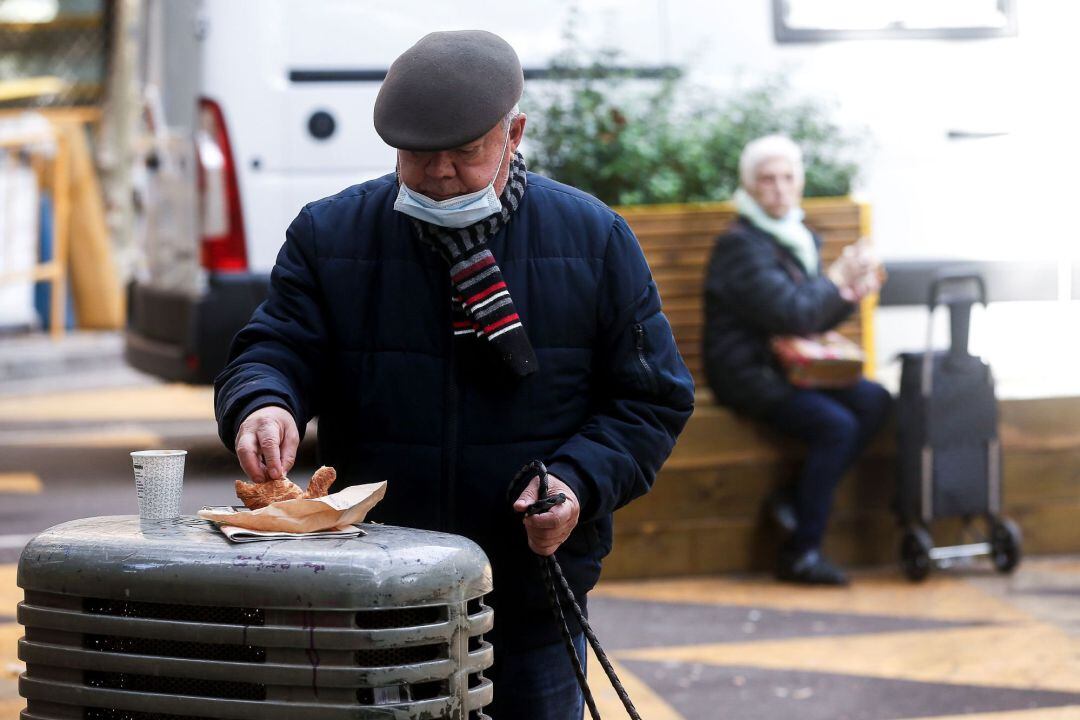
(968, 643)
(34, 362)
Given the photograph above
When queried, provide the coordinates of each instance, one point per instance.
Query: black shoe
(809, 568)
(780, 507)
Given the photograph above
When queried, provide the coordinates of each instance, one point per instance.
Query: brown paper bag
(347, 507)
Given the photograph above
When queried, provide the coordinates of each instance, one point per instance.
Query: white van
(254, 108)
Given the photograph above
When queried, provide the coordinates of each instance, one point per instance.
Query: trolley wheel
(915, 547)
(1005, 544)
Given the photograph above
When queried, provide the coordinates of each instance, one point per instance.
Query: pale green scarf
(789, 230)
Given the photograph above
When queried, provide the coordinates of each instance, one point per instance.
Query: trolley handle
(946, 280)
(959, 316)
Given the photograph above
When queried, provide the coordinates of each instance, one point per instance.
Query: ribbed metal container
(129, 619)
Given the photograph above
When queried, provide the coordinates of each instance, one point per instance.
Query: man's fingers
(543, 545)
(267, 443)
(557, 533)
(528, 496)
(546, 542)
(543, 550)
(247, 452)
(269, 435)
(551, 519)
(547, 531)
(289, 447)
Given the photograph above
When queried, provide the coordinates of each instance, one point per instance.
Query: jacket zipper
(450, 438)
(639, 342)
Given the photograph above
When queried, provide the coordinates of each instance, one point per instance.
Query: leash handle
(542, 505)
(541, 478)
(544, 502)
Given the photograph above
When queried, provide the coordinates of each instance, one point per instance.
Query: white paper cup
(159, 480)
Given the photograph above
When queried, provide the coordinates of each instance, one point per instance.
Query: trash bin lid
(123, 557)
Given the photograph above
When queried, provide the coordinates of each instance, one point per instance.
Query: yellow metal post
(868, 305)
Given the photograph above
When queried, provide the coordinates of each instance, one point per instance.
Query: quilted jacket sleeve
(645, 392)
(274, 360)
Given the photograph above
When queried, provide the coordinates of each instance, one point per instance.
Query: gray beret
(447, 90)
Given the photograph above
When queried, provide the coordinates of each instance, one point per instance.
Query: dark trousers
(836, 425)
(537, 684)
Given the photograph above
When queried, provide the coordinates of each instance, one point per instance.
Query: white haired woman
(764, 280)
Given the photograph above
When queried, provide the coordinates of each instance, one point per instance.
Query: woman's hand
(857, 272)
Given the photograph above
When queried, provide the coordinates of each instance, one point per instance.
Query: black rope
(555, 581)
(568, 641)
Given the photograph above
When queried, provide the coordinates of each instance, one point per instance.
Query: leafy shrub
(630, 141)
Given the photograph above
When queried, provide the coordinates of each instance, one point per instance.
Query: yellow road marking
(9, 709)
(10, 593)
(648, 703)
(158, 402)
(939, 598)
(1055, 564)
(1029, 656)
(1071, 712)
(9, 643)
(20, 483)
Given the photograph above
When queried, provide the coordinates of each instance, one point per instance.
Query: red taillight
(224, 248)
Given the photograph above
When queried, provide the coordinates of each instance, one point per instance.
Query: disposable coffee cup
(159, 480)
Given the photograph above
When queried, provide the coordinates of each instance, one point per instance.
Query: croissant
(259, 495)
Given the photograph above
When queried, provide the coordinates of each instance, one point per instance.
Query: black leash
(559, 593)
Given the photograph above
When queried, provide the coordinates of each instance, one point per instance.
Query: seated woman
(765, 279)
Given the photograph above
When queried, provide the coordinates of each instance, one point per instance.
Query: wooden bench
(704, 514)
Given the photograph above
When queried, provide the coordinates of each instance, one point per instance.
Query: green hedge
(630, 141)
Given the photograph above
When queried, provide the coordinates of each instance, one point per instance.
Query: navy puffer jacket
(356, 330)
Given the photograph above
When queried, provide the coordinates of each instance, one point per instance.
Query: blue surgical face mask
(456, 212)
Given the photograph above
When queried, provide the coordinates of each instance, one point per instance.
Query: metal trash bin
(129, 619)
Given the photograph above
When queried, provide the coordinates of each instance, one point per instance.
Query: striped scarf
(482, 306)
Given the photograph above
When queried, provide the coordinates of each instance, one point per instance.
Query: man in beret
(453, 321)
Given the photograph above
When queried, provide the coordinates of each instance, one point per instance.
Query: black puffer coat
(756, 289)
(357, 330)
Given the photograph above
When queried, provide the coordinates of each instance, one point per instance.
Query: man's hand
(266, 443)
(547, 531)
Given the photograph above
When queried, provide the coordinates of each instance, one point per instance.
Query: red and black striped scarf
(482, 306)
